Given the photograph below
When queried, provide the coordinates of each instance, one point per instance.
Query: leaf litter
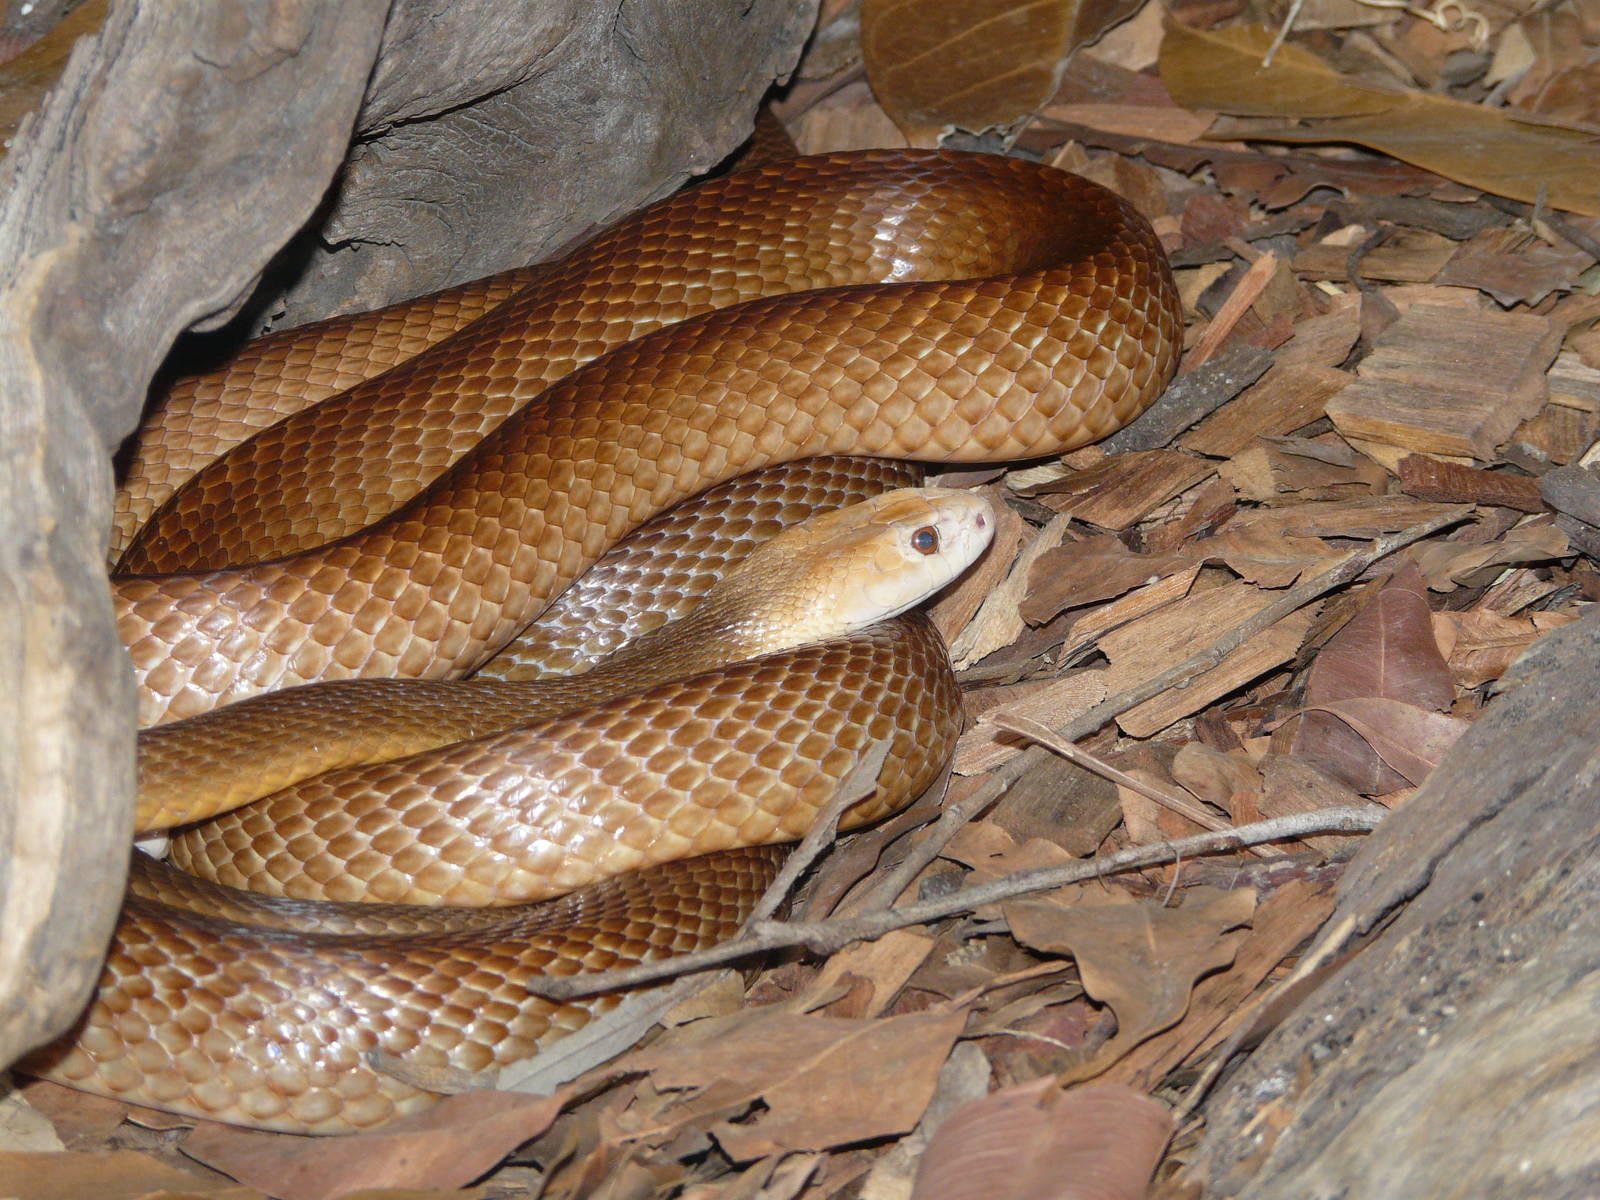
(1260, 618)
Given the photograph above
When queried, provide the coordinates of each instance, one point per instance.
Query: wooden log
(496, 133)
(120, 205)
(1456, 1052)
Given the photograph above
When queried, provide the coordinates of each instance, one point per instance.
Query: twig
(1001, 778)
(826, 937)
(860, 783)
(1075, 754)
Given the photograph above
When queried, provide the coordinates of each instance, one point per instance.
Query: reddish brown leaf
(1409, 739)
(974, 64)
(1386, 651)
(449, 1145)
(1140, 958)
(825, 1081)
(1101, 1142)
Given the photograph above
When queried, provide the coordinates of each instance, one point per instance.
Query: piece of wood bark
(1053, 703)
(1430, 479)
(1287, 398)
(1364, 517)
(1445, 381)
(1124, 488)
(1089, 628)
(1146, 647)
(496, 133)
(1439, 1059)
(118, 227)
(1513, 266)
(1411, 256)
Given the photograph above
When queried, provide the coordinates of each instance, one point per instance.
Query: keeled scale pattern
(745, 755)
(204, 415)
(660, 570)
(1077, 338)
(782, 595)
(276, 1030)
(334, 469)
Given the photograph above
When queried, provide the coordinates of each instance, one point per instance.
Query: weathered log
(498, 132)
(182, 145)
(1457, 1052)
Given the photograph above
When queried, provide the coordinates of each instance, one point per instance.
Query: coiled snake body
(989, 309)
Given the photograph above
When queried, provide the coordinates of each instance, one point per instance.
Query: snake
(955, 308)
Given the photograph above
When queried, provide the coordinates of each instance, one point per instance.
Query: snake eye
(925, 540)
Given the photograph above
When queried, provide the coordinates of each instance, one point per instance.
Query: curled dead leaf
(1101, 1142)
(937, 65)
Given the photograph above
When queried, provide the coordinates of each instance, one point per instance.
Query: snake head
(850, 568)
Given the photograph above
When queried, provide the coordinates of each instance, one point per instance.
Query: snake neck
(734, 622)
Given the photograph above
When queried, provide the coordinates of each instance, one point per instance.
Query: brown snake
(994, 310)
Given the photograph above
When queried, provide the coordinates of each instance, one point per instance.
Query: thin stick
(860, 783)
(1073, 753)
(826, 937)
(1001, 778)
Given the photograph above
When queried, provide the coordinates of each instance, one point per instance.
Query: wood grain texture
(1456, 1054)
(119, 227)
(498, 132)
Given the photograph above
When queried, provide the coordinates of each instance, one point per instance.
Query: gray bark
(1457, 1053)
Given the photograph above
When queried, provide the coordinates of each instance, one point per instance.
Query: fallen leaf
(1101, 1142)
(1268, 558)
(937, 65)
(448, 1145)
(1486, 643)
(1216, 777)
(1386, 650)
(1139, 958)
(823, 1081)
(1448, 564)
(1526, 158)
(1410, 740)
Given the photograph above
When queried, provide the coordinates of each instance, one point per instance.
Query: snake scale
(901, 304)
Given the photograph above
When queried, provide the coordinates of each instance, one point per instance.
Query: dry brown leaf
(118, 1175)
(1410, 740)
(1446, 564)
(1386, 650)
(1526, 158)
(883, 965)
(1286, 917)
(1487, 643)
(824, 1081)
(1216, 777)
(1268, 558)
(449, 1145)
(1139, 958)
(938, 65)
(1101, 1142)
